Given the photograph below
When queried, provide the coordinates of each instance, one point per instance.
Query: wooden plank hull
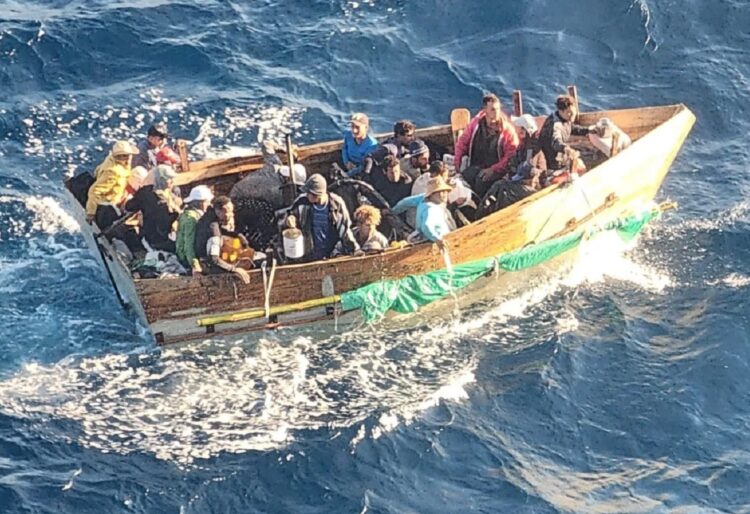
(619, 186)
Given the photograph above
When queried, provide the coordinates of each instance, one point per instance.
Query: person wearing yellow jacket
(109, 187)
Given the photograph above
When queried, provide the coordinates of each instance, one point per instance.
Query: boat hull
(620, 186)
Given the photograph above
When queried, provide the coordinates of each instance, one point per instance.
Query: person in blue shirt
(434, 221)
(358, 143)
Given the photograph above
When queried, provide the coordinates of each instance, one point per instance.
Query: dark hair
(220, 202)
(564, 101)
(437, 168)
(403, 127)
(159, 130)
(389, 161)
(490, 98)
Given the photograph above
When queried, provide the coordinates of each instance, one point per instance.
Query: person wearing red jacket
(489, 141)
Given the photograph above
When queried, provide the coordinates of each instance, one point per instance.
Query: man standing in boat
(489, 141)
(323, 220)
(357, 144)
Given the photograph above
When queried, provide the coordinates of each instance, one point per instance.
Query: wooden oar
(460, 118)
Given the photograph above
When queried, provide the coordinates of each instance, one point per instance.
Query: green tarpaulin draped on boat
(408, 294)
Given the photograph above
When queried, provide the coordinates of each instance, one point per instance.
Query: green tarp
(408, 294)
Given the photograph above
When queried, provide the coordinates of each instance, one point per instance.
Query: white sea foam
(47, 216)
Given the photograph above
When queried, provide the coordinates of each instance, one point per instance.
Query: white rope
(267, 285)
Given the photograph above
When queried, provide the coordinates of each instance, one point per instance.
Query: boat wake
(193, 402)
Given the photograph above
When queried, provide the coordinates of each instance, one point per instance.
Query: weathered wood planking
(612, 188)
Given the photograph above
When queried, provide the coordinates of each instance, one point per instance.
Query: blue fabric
(431, 217)
(323, 234)
(356, 152)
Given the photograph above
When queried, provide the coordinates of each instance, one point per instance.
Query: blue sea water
(617, 384)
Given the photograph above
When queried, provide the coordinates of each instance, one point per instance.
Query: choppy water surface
(616, 382)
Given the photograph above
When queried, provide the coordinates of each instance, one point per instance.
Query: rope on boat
(267, 285)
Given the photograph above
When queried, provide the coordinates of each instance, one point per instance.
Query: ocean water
(617, 383)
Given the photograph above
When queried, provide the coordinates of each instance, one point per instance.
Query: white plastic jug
(294, 244)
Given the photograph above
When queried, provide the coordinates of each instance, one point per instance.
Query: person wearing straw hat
(108, 189)
(433, 220)
(197, 202)
(358, 143)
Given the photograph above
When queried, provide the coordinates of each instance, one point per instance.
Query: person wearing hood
(160, 209)
(197, 202)
(108, 189)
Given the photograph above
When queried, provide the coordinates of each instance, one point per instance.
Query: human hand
(244, 275)
(90, 218)
(486, 174)
(442, 245)
(350, 166)
(358, 253)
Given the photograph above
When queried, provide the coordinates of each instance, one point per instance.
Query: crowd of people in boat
(378, 196)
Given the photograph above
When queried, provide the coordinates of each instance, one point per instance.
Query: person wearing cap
(156, 139)
(417, 160)
(323, 220)
(357, 144)
(404, 132)
(215, 225)
(160, 209)
(108, 189)
(197, 202)
(556, 132)
(489, 142)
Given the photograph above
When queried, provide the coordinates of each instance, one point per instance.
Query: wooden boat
(185, 308)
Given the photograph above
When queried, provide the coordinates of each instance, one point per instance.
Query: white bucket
(294, 244)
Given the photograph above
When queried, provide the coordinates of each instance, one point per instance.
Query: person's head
(566, 107)
(123, 152)
(224, 209)
(525, 126)
(437, 190)
(419, 154)
(392, 168)
(359, 124)
(200, 197)
(157, 135)
(491, 105)
(163, 177)
(438, 169)
(136, 178)
(366, 218)
(316, 189)
(404, 130)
